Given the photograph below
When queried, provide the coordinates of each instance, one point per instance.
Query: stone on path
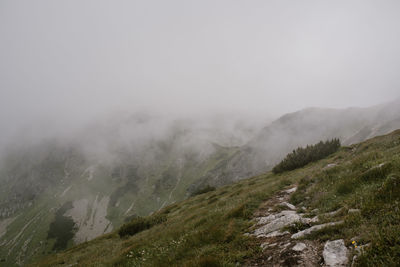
(313, 229)
(277, 233)
(299, 247)
(290, 206)
(281, 220)
(291, 190)
(335, 253)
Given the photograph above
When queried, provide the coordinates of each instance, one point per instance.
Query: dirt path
(279, 249)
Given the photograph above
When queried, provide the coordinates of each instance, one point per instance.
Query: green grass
(367, 179)
(207, 229)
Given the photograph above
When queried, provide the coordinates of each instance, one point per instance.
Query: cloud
(69, 62)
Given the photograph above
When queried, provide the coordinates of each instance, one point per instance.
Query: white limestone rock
(299, 247)
(290, 206)
(335, 253)
(281, 220)
(277, 233)
(313, 229)
(291, 190)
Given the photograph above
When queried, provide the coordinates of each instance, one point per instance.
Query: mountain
(304, 127)
(57, 193)
(64, 191)
(339, 211)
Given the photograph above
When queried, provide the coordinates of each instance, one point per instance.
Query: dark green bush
(302, 156)
(62, 228)
(140, 224)
(203, 190)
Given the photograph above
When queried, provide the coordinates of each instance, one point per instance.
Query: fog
(66, 64)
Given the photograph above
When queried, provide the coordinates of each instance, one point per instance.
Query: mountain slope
(60, 191)
(304, 127)
(93, 182)
(209, 229)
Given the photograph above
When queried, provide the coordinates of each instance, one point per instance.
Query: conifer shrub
(203, 190)
(302, 156)
(140, 224)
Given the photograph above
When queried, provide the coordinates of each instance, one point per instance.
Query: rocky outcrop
(276, 222)
(277, 243)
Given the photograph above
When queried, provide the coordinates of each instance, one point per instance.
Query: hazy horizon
(70, 62)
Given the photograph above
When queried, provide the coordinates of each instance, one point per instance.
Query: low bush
(140, 224)
(203, 190)
(302, 156)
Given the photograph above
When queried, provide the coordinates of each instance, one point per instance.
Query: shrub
(140, 224)
(203, 190)
(302, 156)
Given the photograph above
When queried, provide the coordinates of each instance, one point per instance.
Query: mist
(64, 65)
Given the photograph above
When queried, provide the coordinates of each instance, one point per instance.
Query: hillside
(63, 191)
(54, 195)
(308, 126)
(358, 187)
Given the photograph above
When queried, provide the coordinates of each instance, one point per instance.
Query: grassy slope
(207, 230)
(26, 237)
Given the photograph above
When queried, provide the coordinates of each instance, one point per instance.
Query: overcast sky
(72, 60)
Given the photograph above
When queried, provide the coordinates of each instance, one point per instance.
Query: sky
(71, 61)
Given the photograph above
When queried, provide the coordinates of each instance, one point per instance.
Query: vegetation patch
(140, 224)
(62, 228)
(302, 156)
(203, 190)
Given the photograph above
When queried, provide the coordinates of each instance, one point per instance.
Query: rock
(277, 233)
(331, 165)
(360, 249)
(282, 219)
(291, 190)
(267, 245)
(290, 206)
(335, 253)
(353, 262)
(311, 220)
(265, 220)
(353, 210)
(381, 165)
(299, 247)
(313, 229)
(333, 213)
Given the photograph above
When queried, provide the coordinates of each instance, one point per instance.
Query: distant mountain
(304, 127)
(64, 191)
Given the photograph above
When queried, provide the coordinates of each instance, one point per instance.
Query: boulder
(335, 253)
